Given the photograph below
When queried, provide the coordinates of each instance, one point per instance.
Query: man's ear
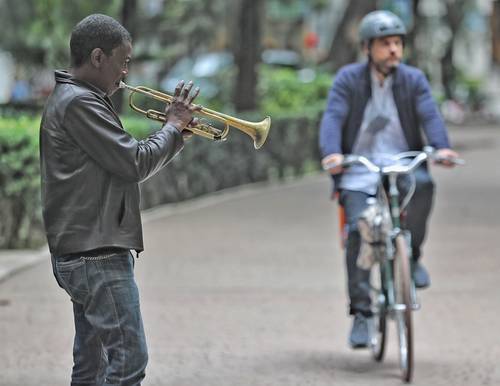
(96, 57)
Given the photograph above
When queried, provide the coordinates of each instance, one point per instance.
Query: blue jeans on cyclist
(417, 214)
(110, 345)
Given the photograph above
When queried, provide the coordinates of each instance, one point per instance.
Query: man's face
(386, 53)
(114, 68)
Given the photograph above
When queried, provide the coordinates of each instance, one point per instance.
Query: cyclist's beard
(383, 68)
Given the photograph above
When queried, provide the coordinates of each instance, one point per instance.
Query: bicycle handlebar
(418, 158)
(391, 169)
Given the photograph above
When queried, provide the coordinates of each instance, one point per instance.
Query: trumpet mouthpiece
(122, 84)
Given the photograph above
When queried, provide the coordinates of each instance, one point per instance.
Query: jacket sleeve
(337, 108)
(429, 115)
(91, 124)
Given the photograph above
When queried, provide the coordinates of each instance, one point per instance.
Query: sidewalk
(13, 261)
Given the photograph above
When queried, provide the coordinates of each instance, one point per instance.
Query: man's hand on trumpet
(180, 111)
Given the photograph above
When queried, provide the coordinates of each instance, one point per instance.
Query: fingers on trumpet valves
(184, 93)
(192, 97)
(178, 88)
(186, 90)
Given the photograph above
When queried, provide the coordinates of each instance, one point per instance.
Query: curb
(13, 261)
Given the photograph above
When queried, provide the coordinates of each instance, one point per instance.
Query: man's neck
(378, 75)
(84, 74)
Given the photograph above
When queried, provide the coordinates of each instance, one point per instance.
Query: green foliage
(139, 127)
(46, 27)
(468, 90)
(19, 181)
(282, 91)
(182, 28)
(18, 155)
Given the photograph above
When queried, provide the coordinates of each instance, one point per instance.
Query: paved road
(247, 289)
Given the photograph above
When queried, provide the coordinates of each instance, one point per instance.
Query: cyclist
(377, 108)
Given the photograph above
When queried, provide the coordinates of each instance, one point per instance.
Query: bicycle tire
(403, 311)
(379, 306)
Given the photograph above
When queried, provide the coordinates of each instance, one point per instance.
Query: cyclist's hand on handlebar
(333, 163)
(445, 157)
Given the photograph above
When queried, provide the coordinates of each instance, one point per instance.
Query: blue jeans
(417, 214)
(110, 345)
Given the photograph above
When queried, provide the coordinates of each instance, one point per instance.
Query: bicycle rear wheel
(403, 307)
(379, 307)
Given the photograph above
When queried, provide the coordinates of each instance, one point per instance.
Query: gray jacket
(91, 169)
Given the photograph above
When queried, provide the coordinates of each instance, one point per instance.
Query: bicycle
(385, 250)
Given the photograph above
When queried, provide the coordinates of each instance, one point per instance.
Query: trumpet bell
(258, 131)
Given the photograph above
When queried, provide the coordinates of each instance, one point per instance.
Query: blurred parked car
(202, 70)
(282, 58)
(211, 69)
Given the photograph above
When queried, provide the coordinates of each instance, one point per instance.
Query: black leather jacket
(90, 169)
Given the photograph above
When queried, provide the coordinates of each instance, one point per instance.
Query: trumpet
(258, 131)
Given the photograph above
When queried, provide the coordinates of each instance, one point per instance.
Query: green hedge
(286, 90)
(20, 224)
(203, 166)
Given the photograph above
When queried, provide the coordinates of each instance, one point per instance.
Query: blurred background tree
(323, 33)
(37, 32)
(251, 58)
(345, 43)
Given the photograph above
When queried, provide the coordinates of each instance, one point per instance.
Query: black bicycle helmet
(378, 24)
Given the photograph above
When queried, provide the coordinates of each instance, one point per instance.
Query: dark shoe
(360, 332)
(420, 276)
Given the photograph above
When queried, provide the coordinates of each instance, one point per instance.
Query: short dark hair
(96, 31)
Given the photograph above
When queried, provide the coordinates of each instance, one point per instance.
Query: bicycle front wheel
(403, 306)
(379, 307)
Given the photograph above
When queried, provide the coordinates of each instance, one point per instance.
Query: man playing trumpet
(90, 170)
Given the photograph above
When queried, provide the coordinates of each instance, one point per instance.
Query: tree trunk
(345, 44)
(455, 15)
(247, 54)
(129, 21)
(495, 32)
(411, 36)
